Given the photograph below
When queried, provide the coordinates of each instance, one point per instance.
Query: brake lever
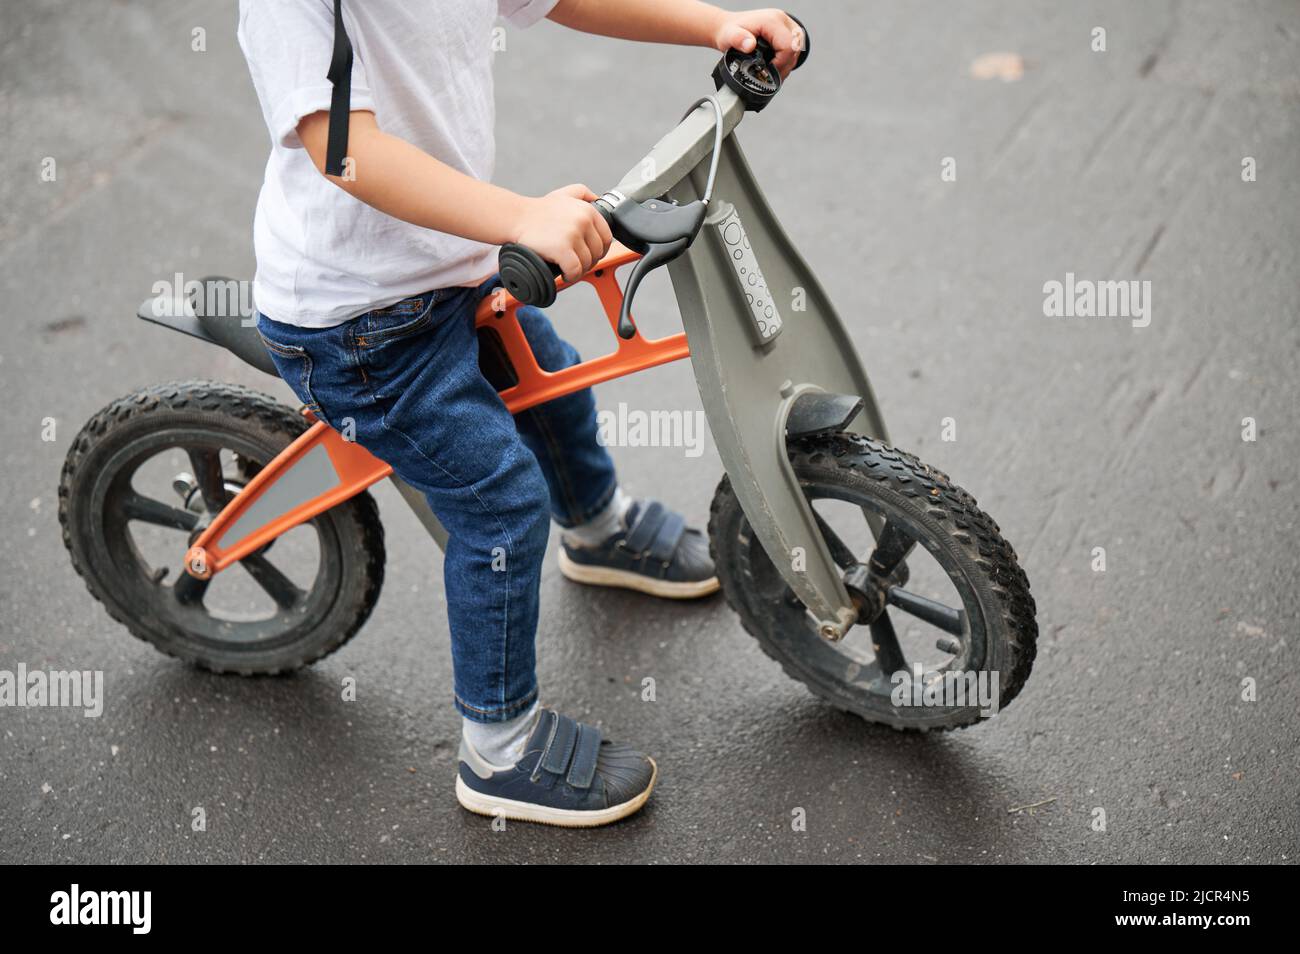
(658, 229)
(655, 255)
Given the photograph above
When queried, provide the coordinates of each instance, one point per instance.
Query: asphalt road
(1072, 433)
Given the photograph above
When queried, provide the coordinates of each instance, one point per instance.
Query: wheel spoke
(137, 507)
(207, 471)
(840, 553)
(885, 642)
(278, 586)
(936, 614)
(189, 589)
(891, 546)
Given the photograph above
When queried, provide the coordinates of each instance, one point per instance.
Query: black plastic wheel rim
(158, 592)
(854, 661)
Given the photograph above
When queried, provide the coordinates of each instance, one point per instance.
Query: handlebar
(526, 275)
(658, 229)
(762, 46)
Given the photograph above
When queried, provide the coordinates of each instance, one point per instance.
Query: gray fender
(819, 412)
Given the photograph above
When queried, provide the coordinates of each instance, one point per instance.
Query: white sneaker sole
(496, 806)
(626, 579)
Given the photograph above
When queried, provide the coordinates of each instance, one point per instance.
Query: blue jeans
(409, 377)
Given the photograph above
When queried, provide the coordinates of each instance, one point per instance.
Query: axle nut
(196, 563)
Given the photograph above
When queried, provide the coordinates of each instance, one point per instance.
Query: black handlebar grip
(764, 49)
(527, 276)
(807, 41)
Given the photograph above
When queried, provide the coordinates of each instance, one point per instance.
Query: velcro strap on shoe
(648, 523)
(585, 754)
(559, 750)
(669, 535)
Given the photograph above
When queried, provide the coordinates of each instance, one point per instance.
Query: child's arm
(409, 184)
(685, 22)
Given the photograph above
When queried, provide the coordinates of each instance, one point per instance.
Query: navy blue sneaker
(655, 553)
(568, 776)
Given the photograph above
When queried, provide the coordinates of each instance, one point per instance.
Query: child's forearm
(685, 22)
(409, 184)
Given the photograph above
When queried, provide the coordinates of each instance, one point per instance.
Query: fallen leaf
(1007, 67)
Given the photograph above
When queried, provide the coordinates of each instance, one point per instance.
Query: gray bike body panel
(749, 385)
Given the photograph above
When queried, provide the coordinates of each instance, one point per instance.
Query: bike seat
(216, 310)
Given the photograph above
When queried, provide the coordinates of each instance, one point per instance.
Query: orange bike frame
(342, 468)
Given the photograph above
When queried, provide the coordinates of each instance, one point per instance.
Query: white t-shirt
(425, 69)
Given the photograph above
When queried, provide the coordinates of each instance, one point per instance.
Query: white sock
(603, 525)
(501, 744)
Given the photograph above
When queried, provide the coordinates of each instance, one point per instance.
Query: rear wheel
(939, 591)
(150, 471)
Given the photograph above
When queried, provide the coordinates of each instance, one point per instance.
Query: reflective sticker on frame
(763, 310)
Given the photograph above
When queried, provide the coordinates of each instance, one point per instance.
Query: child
(366, 290)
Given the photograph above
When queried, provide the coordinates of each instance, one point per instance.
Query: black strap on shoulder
(340, 77)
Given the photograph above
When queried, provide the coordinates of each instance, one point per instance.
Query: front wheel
(946, 631)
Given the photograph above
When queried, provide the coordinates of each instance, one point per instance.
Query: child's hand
(563, 227)
(740, 30)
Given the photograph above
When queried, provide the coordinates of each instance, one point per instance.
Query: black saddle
(220, 311)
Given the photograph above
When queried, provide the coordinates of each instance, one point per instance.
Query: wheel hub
(868, 591)
(187, 488)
